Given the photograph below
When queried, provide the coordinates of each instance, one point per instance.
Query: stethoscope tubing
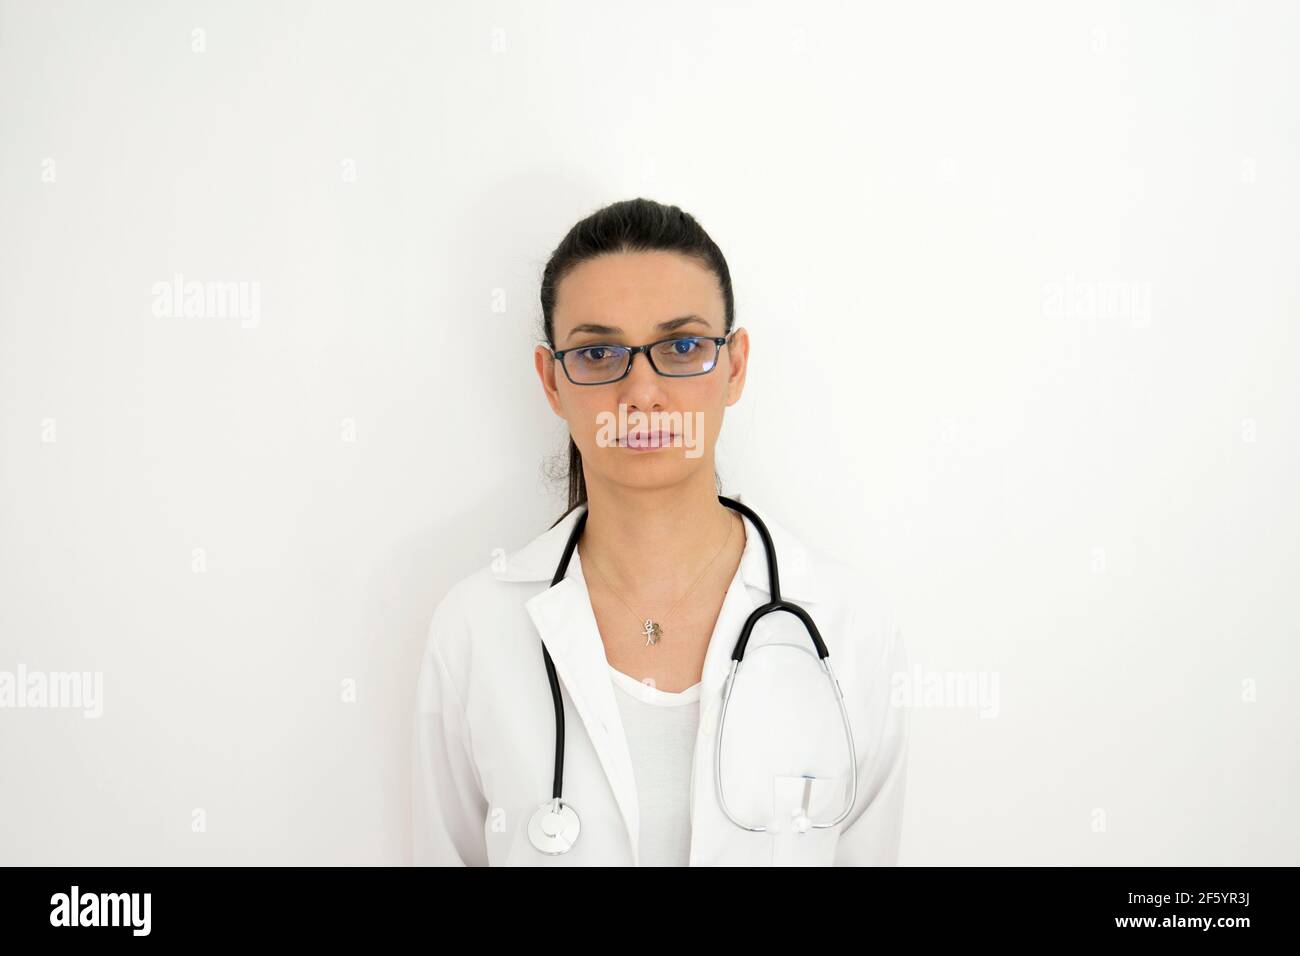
(566, 829)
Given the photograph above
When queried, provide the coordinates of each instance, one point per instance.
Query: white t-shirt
(661, 729)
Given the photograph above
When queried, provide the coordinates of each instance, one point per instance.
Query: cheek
(582, 409)
(708, 404)
(699, 406)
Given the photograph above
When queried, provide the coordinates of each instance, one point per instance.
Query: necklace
(651, 629)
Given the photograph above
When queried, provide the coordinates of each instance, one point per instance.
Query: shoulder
(858, 610)
(484, 613)
(475, 606)
(851, 609)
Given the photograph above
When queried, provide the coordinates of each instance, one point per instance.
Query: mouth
(647, 440)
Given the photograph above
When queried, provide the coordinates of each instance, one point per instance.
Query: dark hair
(633, 225)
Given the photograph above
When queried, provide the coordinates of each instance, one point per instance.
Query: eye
(685, 346)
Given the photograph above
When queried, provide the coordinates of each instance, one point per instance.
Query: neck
(652, 543)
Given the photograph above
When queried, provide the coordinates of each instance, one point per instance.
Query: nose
(643, 386)
(649, 369)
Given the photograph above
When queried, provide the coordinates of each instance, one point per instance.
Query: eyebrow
(669, 326)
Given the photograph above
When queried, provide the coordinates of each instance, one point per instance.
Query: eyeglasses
(679, 357)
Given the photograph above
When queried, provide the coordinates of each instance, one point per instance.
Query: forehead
(634, 291)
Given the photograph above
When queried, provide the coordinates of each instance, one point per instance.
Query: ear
(737, 351)
(546, 371)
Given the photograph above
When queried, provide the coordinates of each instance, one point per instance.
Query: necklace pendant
(652, 632)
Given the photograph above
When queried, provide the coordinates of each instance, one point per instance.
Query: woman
(637, 635)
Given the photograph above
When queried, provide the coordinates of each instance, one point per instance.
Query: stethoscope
(554, 826)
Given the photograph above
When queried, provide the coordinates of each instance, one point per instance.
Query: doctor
(641, 627)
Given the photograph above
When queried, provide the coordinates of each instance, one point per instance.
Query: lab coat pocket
(799, 801)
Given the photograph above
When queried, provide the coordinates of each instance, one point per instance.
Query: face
(645, 430)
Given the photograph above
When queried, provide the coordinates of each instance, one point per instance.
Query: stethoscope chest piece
(554, 827)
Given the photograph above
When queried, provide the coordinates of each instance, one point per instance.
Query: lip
(648, 441)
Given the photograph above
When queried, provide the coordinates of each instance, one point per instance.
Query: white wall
(1022, 285)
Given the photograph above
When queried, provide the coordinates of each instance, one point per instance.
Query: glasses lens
(596, 363)
(686, 356)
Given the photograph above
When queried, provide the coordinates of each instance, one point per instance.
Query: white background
(925, 208)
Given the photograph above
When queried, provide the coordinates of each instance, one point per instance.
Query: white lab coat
(483, 751)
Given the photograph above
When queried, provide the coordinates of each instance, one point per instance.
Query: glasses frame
(632, 350)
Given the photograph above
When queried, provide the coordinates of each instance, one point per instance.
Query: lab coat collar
(567, 626)
(536, 561)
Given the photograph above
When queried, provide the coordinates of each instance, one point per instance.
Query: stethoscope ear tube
(773, 575)
(737, 658)
(554, 826)
(557, 779)
(738, 653)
